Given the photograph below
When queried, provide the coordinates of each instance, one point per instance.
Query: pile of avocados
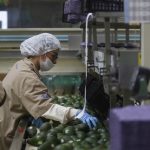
(71, 136)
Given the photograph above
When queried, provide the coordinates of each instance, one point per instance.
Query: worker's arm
(60, 113)
(35, 98)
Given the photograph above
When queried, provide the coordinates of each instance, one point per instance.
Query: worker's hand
(37, 122)
(88, 119)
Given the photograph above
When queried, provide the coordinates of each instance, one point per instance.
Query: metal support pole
(90, 50)
(116, 20)
(107, 45)
(94, 35)
(107, 61)
(127, 34)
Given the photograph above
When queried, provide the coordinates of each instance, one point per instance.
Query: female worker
(26, 93)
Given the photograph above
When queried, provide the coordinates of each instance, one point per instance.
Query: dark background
(34, 13)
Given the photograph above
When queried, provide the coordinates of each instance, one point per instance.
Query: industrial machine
(113, 60)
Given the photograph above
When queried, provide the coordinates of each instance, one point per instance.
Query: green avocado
(66, 146)
(52, 131)
(82, 127)
(59, 136)
(45, 126)
(59, 128)
(31, 131)
(81, 135)
(69, 130)
(65, 139)
(45, 146)
(37, 140)
(52, 139)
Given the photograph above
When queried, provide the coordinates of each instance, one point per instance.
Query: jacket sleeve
(60, 113)
(35, 98)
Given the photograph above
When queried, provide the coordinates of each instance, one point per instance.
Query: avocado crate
(62, 84)
(52, 135)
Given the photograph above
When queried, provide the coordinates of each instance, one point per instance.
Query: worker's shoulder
(23, 67)
(21, 70)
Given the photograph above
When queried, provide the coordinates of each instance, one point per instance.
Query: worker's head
(43, 48)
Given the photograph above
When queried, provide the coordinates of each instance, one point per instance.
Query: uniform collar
(30, 63)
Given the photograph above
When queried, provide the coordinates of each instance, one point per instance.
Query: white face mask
(46, 65)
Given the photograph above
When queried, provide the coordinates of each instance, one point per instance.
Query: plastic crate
(102, 5)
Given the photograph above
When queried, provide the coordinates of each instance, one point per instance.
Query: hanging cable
(86, 63)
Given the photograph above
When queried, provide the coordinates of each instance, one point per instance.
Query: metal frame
(108, 25)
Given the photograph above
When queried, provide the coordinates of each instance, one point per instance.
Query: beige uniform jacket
(27, 95)
(2, 94)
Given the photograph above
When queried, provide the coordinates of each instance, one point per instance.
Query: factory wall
(35, 14)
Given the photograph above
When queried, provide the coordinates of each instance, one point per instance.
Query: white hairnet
(39, 45)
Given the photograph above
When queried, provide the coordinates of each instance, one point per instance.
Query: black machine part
(96, 97)
(139, 83)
